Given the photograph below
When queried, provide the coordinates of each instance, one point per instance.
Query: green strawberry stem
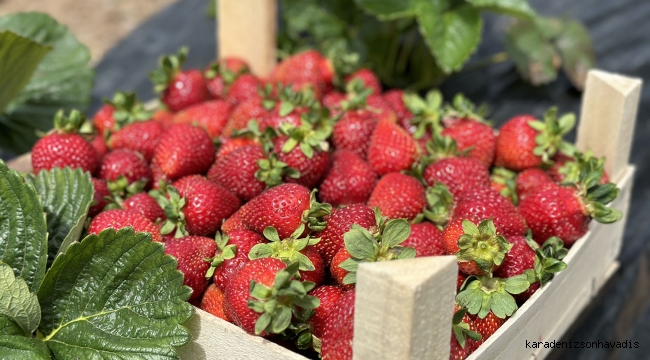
(168, 67)
(462, 108)
(225, 252)
(272, 171)
(307, 136)
(172, 204)
(128, 109)
(314, 217)
(288, 250)
(550, 139)
(357, 95)
(548, 258)
(461, 329)
(485, 294)
(440, 203)
(70, 124)
(427, 112)
(507, 178)
(482, 245)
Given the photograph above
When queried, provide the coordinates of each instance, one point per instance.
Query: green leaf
(389, 9)
(271, 233)
(17, 302)
(533, 54)
(23, 232)
(114, 294)
(281, 319)
(518, 8)
(63, 79)
(359, 243)
(396, 231)
(577, 52)
(516, 284)
(260, 251)
(20, 56)
(452, 35)
(18, 347)
(66, 196)
(9, 327)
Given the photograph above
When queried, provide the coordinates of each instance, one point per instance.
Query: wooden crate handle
(609, 108)
(404, 309)
(247, 29)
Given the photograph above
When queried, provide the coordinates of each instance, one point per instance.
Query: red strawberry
(236, 172)
(117, 219)
(212, 302)
(303, 149)
(64, 147)
(458, 174)
(426, 239)
(473, 134)
(233, 223)
(380, 109)
(284, 207)
(126, 163)
(338, 223)
(245, 87)
(100, 146)
(183, 150)
(332, 101)
(101, 191)
(484, 203)
(328, 296)
(463, 329)
(250, 109)
(529, 180)
(395, 97)
(244, 241)
(368, 78)
(488, 325)
(124, 109)
(146, 205)
(207, 204)
(398, 196)
(103, 119)
(273, 119)
(520, 258)
(191, 252)
(353, 131)
(338, 273)
(350, 180)
(460, 280)
(141, 136)
(339, 330)
(318, 274)
(222, 73)
(179, 88)
(231, 144)
(210, 115)
(391, 149)
(164, 117)
(306, 69)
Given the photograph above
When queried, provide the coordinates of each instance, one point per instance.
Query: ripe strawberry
(395, 97)
(304, 148)
(141, 136)
(350, 180)
(458, 174)
(245, 87)
(209, 115)
(353, 131)
(317, 276)
(338, 273)
(306, 69)
(233, 223)
(101, 191)
(484, 203)
(64, 147)
(212, 302)
(474, 136)
(391, 149)
(284, 207)
(380, 109)
(206, 205)
(398, 196)
(221, 74)
(179, 88)
(231, 144)
(368, 78)
(338, 334)
(100, 146)
(183, 150)
(232, 254)
(464, 337)
(333, 101)
(273, 119)
(426, 239)
(338, 223)
(254, 108)
(125, 163)
(488, 325)
(520, 258)
(529, 180)
(146, 205)
(164, 117)
(524, 142)
(117, 219)
(124, 109)
(460, 280)
(236, 172)
(480, 250)
(191, 252)
(328, 296)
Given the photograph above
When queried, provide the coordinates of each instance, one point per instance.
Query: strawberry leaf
(389, 10)
(17, 303)
(23, 230)
(518, 8)
(395, 232)
(66, 196)
(486, 294)
(21, 347)
(360, 243)
(89, 307)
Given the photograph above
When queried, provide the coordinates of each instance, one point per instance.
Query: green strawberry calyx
(506, 179)
(461, 329)
(307, 137)
(356, 95)
(121, 189)
(482, 245)
(279, 303)
(314, 217)
(484, 294)
(377, 244)
(442, 147)
(225, 252)
(548, 258)
(462, 108)
(172, 204)
(550, 137)
(252, 131)
(128, 109)
(427, 112)
(70, 124)
(291, 99)
(440, 203)
(288, 250)
(272, 171)
(168, 67)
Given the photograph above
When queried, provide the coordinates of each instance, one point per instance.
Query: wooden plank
(404, 308)
(23, 163)
(247, 29)
(607, 118)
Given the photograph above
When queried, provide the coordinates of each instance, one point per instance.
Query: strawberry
(503, 181)
(64, 147)
(485, 203)
(367, 77)
(395, 98)
(488, 325)
(519, 258)
(489, 300)
(141, 136)
(117, 219)
(380, 109)
(146, 205)
(350, 180)
(464, 337)
(234, 223)
(328, 296)
(426, 239)
(480, 250)
(232, 254)
(99, 201)
(125, 163)
(284, 207)
(391, 149)
(199, 206)
(567, 168)
(529, 180)
(99, 143)
(252, 296)
(474, 136)
(460, 280)
(179, 88)
(306, 69)
(398, 196)
(338, 223)
(231, 144)
(338, 334)
(525, 142)
(252, 108)
(458, 174)
(353, 131)
(183, 150)
(275, 118)
(548, 262)
(333, 101)
(209, 115)
(427, 113)
(164, 117)
(212, 302)
(245, 87)
(338, 273)
(221, 74)
(124, 109)
(191, 252)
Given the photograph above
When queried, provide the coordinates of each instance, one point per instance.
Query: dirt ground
(99, 24)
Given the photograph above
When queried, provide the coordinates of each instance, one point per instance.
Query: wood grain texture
(609, 109)
(404, 308)
(247, 29)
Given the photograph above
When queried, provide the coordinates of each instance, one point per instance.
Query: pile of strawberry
(270, 192)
